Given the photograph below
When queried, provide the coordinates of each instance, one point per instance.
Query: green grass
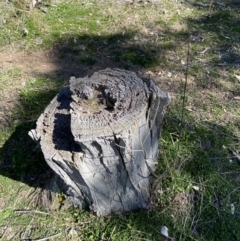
(196, 189)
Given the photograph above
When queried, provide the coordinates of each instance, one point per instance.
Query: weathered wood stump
(100, 135)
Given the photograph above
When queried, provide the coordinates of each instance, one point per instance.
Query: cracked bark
(100, 135)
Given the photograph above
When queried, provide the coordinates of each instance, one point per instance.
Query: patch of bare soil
(49, 64)
(38, 64)
(31, 65)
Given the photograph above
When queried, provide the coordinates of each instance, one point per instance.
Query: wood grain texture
(100, 135)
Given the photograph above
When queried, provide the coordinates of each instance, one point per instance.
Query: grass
(196, 191)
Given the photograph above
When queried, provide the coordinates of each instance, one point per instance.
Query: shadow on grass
(222, 27)
(22, 159)
(93, 52)
(214, 42)
(202, 162)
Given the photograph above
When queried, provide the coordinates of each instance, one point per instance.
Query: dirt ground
(32, 65)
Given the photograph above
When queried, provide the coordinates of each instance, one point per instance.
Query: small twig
(235, 155)
(5, 230)
(15, 235)
(27, 233)
(205, 50)
(200, 4)
(30, 211)
(112, 233)
(47, 238)
(226, 64)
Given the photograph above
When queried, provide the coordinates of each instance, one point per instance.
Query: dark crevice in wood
(64, 98)
(62, 135)
(101, 156)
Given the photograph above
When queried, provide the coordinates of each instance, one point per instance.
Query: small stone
(238, 78)
(196, 188)
(72, 232)
(236, 97)
(183, 62)
(150, 72)
(25, 32)
(164, 231)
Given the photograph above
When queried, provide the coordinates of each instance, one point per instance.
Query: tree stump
(100, 135)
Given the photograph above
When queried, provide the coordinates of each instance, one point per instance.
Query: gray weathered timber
(100, 135)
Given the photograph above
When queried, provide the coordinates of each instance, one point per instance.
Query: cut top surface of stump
(110, 101)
